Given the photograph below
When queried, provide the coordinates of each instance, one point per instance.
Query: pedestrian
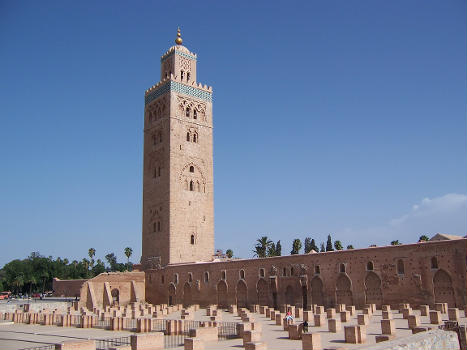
(305, 326)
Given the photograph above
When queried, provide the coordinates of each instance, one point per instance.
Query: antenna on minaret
(179, 39)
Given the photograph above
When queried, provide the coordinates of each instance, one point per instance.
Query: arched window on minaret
(195, 137)
(192, 239)
(192, 169)
(182, 75)
(195, 114)
(187, 76)
(187, 113)
(198, 187)
(188, 136)
(192, 185)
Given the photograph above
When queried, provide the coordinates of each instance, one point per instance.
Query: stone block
(193, 344)
(403, 306)
(319, 310)
(273, 315)
(76, 345)
(262, 309)
(295, 331)
(256, 326)
(319, 320)
(406, 312)
(413, 321)
(435, 317)
(147, 341)
(251, 336)
(331, 313)
(367, 311)
(385, 337)
(206, 333)
(257, 345)
(340, 307)
(345, 316)
(334, 325)
(311, 341)
(441, 307)
(242, 327)
(386, 308)
(267, 312)
(424, 310)
(280, 319)
(362, 319)
(388, 327)
(355, 334)
(386, 315)
(420, 329)
(307, 316)
(350, 309)
(298, 312)
(453, 314)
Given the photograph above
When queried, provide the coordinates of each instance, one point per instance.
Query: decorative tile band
(183, 54)
(179, 88)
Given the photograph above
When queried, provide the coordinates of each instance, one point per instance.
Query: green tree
(92, 254)
(112, 260)
(423, 238)
(314, 246)
(322, 249)
(396, 242)
(272, 250)
(261, 247)
(329, 247)
(278, 248)
(307, 245)
(350, 246)
(128, 251)
(338, 245)
(229, 253)
(296, 246)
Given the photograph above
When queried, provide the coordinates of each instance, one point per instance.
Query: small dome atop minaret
(179, 39)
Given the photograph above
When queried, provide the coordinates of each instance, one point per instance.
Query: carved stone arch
(317, 293)
(197, 168)
(187, 295)
(222, 298)
(344, 290)
(115, 296)
(443, 289)
(373, 291)
(242, 294)
(262, 291)
(172, 294)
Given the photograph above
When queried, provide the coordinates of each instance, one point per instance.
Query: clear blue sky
(330, 117)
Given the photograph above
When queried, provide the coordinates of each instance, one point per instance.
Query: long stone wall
(67, 288)
(431, 340)
(422, 273)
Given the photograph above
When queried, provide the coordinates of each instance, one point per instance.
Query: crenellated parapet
(178, 50)
(174, 83)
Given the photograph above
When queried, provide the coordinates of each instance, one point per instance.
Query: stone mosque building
(178, 265)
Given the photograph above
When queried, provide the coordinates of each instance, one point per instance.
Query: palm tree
(128, 251)
(92, 254)
(18, 282)
(396, 242)
(262, 246)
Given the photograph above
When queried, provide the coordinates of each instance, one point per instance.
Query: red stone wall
(403, 273)
(67, 288)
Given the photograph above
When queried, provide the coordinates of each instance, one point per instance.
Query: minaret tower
(178, 193)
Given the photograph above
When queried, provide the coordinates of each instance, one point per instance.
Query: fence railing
(103, 323)
(227, 330)
(42, 347)
(105, 344)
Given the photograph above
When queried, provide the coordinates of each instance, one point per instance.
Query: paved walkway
(20, 336)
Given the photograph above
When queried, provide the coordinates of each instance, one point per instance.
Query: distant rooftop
(445, 237)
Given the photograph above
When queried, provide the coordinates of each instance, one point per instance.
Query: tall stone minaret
(178, 193)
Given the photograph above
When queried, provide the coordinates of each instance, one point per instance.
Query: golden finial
(178, 40)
